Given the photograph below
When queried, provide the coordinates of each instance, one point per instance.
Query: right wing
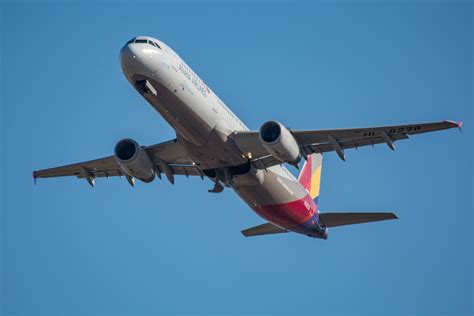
(340, 219)
(321, 141)
(169, 152)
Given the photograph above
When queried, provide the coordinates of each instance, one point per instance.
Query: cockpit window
(154, 44)
(144, 41)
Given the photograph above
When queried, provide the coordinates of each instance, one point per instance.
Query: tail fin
(310, 176)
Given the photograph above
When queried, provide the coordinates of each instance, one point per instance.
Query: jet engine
(134, 160)
(279, 142)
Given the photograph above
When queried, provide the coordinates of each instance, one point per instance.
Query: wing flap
(184, 170)
(264, 229)
(353, 143)
(340, 219)
(106, 164)
(268, 161)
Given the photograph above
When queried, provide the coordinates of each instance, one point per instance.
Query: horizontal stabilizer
(340, 219)
(264, 229)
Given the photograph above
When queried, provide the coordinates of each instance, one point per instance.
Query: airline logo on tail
(310, 176)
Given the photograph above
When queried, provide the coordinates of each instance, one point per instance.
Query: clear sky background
(163, 249)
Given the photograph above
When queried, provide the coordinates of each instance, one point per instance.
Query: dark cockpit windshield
(143, 41)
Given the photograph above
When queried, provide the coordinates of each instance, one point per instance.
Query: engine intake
(270, 131)
(134, 160)
(279, 142)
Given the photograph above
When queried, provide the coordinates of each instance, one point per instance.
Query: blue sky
(162, 249)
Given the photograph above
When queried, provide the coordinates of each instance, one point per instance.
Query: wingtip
(457, 124)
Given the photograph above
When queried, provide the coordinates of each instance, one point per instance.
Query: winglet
(455, 124)
(34, 176)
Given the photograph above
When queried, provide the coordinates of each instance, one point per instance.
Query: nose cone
(140, 58)
(130, 60)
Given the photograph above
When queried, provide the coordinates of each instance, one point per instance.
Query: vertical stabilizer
(310, 176)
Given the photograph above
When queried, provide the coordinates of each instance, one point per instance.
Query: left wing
(320, 141)
(168, 154)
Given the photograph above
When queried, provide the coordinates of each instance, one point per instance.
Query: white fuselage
(203, 122)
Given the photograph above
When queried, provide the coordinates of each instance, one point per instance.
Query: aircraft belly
(218, 152)
(276, 188)
(280, 200)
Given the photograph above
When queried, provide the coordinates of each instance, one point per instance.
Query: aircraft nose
(130, 58)
(139, 58)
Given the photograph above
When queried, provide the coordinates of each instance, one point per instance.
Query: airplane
(212, 142)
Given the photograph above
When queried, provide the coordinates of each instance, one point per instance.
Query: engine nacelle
(279, 142)
(134, 160)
